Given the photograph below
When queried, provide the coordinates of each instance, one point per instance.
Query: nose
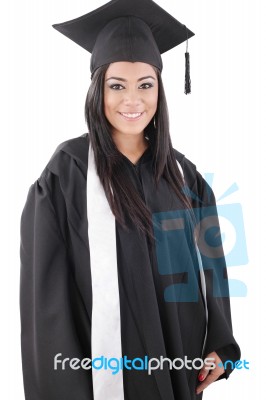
(132, 97)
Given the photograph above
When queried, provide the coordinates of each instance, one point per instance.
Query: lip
(132, 119)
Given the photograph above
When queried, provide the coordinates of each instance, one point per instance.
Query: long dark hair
(124, 200)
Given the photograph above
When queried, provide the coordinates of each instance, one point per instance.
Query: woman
(114, 256)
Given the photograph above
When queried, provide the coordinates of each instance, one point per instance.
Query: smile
(131, 116)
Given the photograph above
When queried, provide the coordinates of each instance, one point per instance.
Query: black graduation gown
(56, 292)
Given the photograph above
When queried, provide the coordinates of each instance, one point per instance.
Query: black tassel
(187, 75)
(187, 70)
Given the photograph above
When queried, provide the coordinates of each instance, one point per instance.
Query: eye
(115, 86)
(148, 85)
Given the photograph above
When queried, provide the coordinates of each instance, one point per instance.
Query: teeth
(131, 115)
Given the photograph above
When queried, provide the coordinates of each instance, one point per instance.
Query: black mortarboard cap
(127, 30)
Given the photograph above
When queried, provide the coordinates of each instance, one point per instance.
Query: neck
(130, 145)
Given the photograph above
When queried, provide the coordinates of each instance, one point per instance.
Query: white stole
(105, 323)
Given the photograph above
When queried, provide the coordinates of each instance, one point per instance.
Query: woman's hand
(207, 376)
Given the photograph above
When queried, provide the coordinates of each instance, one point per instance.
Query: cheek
(110, 102)
(153, 100)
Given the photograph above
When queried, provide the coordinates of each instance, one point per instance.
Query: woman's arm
(49, 299)
(220, 342)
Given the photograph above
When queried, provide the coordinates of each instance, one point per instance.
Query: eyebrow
(124, 80)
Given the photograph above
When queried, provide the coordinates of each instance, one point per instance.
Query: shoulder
(66, 171)
(62, 183)
(188, 167)
(68, 154)
(198, 188)
(75, 148)
(184, 161)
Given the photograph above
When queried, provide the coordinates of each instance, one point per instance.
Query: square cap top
(147, 32)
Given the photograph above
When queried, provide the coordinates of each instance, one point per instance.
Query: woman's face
(130, 96)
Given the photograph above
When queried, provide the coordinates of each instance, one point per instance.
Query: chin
(129, 129)
(131, 132)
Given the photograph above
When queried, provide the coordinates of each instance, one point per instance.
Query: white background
(44, 81)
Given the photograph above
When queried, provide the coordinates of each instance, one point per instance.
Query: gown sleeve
(48, 299)
(220, 332)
